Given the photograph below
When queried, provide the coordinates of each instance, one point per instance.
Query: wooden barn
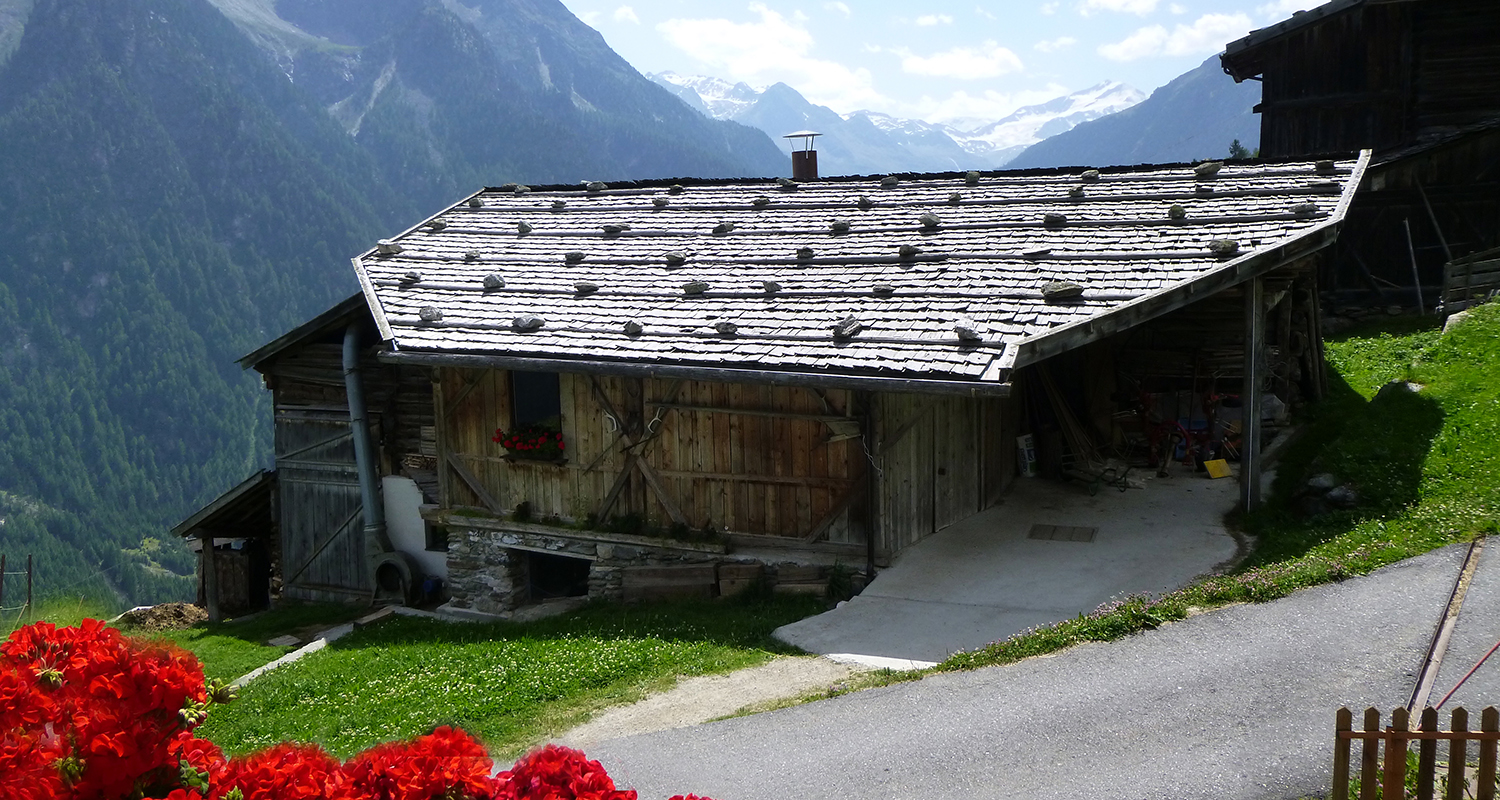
(659, 387)
(1414, 80)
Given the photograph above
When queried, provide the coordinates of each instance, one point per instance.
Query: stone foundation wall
(486, 568)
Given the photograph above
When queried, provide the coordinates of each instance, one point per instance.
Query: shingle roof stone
(690, 282)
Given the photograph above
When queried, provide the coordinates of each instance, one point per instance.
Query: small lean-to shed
(635, 378)
(1413, 80)
(238, 549)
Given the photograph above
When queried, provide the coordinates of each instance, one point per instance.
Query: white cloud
(989, 60)
(1053, 45)
(1281, 9)
(589, 17)
(770, 49)
(1049, 8)
(842, 8)
(983, 12)
(626, 14)
(928, 20)
(1206, 35)
(1140, 7)
(1176, 8)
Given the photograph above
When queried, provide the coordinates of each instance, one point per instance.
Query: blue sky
(936, 60)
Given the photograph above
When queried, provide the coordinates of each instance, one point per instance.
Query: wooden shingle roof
(937, 280)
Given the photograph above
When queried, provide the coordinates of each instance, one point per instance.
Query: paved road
(1236, 703)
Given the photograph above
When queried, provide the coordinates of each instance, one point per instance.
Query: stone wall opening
(550, 576)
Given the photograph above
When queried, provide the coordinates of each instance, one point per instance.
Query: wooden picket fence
(1388, 776)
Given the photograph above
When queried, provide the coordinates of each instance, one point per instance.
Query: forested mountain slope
(176, 189)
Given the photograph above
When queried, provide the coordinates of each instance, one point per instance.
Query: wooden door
(323, 553)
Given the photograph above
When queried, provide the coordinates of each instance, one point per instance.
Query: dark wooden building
(658, 382)
(1414, 80)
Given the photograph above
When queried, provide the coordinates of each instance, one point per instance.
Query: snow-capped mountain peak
(876, 142)
(721, 99)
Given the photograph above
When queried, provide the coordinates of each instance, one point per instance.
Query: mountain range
(1193, 117)
(868, 142)
(184, 180)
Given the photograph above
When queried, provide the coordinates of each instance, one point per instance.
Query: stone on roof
(782, 286)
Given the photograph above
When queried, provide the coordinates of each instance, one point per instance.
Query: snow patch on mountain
(960, 144)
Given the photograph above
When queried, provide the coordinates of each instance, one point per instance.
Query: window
(536, 399)
(437, 538)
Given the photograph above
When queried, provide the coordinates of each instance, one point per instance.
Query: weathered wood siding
(739, 458)
(323, 547)
(942, 459)
(1382, 76)
(320, 511)
(1338, 85)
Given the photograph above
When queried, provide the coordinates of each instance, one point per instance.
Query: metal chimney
(804, 161)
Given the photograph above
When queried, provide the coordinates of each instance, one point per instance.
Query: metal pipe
(376, 541)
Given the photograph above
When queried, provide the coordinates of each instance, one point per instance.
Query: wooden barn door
(322, 522)
(955, 461)
(931, 474)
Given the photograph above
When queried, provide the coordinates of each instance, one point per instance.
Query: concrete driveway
(1235, 704)
(984, 579)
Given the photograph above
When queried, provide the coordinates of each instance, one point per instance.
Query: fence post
(1393, 783)
(28, 587)
(1369, 758)
(1489, 722)
(1343, 721)
(2, 580)
(1427, 755)
(1458, 754)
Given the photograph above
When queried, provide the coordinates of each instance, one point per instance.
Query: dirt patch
(697, 700)
(164, 617)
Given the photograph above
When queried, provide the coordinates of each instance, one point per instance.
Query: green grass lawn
(510, 684)
(61, 611)
(232, 648)
(1426, 466)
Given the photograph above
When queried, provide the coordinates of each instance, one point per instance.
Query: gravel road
(1235, 703)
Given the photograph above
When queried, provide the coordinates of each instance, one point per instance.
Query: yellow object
(1217, 468)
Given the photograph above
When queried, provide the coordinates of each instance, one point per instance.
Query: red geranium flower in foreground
(88, 714)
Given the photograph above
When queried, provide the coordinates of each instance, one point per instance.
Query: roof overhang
(1151, 306)
(1242, 57)
(334, 319)
(244, 511)
(631, 369)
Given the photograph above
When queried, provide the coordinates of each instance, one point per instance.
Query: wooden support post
(28, 586)
(440, 434)
(869, 421)
(210, 576)
(1250, 395)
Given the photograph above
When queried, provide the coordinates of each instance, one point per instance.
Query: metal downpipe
(376, 540)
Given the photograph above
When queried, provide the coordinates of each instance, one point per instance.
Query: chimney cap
(806, 137)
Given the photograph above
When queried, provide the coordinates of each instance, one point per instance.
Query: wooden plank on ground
(736, 578)
(662, 583)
